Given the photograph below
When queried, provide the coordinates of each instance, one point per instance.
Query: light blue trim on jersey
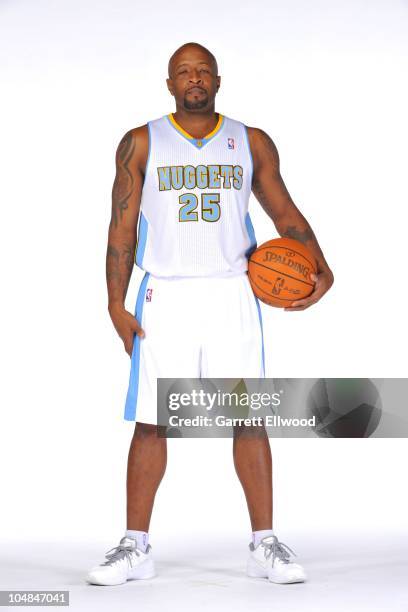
(133, 388)
(141, 243)
(249, 151)
(262, 334)
(251, 235)
(149, 146)
(194, 141)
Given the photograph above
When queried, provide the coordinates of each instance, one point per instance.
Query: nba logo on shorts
(230, 143)
(149, 295)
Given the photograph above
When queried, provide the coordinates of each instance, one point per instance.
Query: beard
(195, 104)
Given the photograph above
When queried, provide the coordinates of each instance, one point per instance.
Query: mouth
(196, 90)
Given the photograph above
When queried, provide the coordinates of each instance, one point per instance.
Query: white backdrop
(327, 80)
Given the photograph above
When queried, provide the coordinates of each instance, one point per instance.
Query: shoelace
(120, 552)
(276, 549)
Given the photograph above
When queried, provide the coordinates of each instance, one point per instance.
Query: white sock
(141, 537)
(258, 535)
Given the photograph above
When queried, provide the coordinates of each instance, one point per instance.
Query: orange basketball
(279, 271)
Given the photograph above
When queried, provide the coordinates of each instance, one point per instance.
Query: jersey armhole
(141, 230)
(249, 152)
(149, 148)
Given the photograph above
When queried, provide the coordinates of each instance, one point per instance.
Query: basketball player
(187, 177)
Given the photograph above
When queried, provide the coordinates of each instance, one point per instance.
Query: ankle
(257, 536)
(141, 537)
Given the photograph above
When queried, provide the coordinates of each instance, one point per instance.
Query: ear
(170, 86)
(218, 82)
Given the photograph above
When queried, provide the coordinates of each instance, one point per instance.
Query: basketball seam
(284, 273)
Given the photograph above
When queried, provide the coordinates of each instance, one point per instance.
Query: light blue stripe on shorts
(262, 334)
(131, 398)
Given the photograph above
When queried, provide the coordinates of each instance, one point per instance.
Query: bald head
(187, 50)
(193, 78)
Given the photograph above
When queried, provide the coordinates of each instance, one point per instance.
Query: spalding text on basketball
(286, 260)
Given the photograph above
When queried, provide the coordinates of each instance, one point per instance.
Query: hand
(323, 282)
(126, 325)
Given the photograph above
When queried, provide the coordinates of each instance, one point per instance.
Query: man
(187, 177)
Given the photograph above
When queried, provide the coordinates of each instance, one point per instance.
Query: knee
(249, 432)
(148, 430)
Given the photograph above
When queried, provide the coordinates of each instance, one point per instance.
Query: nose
(195, 77)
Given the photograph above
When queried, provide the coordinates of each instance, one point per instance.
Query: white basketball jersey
(194, 218)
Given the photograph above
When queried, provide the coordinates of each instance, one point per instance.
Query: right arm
(131, 156)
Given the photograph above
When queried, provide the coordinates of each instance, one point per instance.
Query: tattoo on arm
(124, 183)
(297, 234)
(271, 153)
(264, 200)
(112, 264)
(128, 255)
(118, 277)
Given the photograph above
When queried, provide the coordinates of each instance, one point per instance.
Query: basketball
(279, 271)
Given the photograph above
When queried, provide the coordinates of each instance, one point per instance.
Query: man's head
(193, 77)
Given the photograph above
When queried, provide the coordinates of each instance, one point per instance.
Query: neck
(198, 123)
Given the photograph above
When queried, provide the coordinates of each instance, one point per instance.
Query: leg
(253, 464)
(146, 466)
(165, 352)
(233, 348)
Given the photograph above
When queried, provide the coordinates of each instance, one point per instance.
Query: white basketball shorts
(195, 327)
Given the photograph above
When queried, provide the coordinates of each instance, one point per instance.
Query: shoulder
(261, 141)
(134, 146)
(263, 148)
(137, 136)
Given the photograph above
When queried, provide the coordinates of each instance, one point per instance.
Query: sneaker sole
(255, 571)
(144, 572)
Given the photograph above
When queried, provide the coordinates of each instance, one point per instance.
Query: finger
(294, 304)
(307, 300)
(298, 308)
(301, 305)
(310, 299)
(137, 328)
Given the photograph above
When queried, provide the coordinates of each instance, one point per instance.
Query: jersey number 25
(210, 207)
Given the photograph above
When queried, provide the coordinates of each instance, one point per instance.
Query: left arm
(271, 192)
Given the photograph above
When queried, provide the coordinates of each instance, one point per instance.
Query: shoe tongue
(125, 541)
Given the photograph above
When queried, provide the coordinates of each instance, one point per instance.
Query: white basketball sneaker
(124, 562)
(270, 559)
